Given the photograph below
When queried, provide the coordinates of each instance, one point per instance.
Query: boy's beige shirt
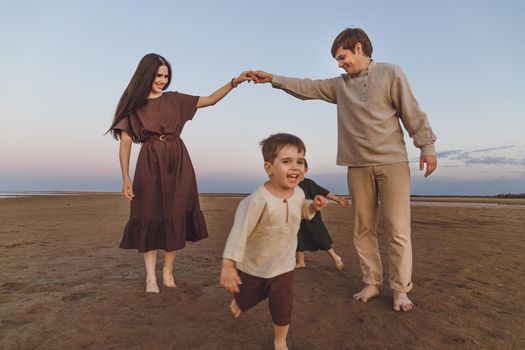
(263, 238)
(370, 108)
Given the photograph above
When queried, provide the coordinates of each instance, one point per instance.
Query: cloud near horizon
(467, 157)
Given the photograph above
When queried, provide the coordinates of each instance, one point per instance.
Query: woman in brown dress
(165, 210)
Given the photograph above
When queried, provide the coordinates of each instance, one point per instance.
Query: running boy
(259, 256)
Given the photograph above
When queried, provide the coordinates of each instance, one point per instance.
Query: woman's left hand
(127, 189)
(244, 76)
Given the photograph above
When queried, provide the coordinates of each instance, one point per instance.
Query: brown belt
(162, 138)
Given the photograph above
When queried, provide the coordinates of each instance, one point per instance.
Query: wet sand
(65, 284)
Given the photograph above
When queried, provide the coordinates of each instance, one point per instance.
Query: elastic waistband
(162, 138)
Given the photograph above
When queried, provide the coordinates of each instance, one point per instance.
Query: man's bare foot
(299, 265)
(366, 294)
(339, 264)
(401, 302)
(235, 309)
(280, 346)
(167, 279)
(152, 287)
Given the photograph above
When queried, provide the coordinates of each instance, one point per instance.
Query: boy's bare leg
(167, 271)
(235, 309)
(280, 333)
(339, 265)
(401, 302)
(150, 260)
(367, 293)
(299, 260)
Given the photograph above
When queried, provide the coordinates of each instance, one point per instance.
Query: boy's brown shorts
(278, 290)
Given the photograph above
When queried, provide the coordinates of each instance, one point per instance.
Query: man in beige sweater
(373, 99)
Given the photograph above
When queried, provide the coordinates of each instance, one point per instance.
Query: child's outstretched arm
(205, 101)
(318, 203)
(230, 279)
(342, 201)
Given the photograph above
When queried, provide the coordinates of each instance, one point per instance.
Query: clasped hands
(258, 77)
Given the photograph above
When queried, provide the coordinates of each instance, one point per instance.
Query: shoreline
(414, 199)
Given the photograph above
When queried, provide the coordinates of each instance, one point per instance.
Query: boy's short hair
(349, 38)
(276, 142)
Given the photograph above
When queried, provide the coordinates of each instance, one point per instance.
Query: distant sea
(437, 203)
(17, 194)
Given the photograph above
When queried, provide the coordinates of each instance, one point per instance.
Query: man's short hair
(349, 38)
(273, 144)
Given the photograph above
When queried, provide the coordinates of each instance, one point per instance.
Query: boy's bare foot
(234, 308)
(299, 265)
(366, 294)
(152, 287)
(401, 302)
(167, 279)
(280, 346)
(339, 264)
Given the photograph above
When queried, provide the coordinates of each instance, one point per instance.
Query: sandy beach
(65, 284)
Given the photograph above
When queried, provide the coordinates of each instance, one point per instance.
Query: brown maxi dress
(165, 212)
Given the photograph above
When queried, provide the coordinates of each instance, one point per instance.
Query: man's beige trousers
(383, 189)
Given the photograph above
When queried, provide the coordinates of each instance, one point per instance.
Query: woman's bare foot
(235, 309)
(339, 264)
(152, 287)
(167, 278)
(366, 294)
(401, 302)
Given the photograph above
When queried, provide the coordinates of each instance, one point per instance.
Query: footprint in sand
(9, 324)
(123, 265)
(194, 291)
(78, 296)
(20, 244)
(11, 287)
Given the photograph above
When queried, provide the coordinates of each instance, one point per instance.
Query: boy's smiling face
(287, 169)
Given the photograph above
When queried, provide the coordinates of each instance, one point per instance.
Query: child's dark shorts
(278, 290)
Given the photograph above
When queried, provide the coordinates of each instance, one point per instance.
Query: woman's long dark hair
(138, 89)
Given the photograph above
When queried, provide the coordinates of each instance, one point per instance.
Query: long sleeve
(318, 190)
(307, 89)
(246, 219)
(413, 118)
(305, 210)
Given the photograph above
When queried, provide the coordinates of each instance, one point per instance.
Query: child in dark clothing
(313, 234)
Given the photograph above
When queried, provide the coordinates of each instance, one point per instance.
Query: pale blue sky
(64, 64)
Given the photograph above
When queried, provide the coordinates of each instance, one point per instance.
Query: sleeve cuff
(277, 81)
(428, 150)
(308, 214)
(233, 256)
